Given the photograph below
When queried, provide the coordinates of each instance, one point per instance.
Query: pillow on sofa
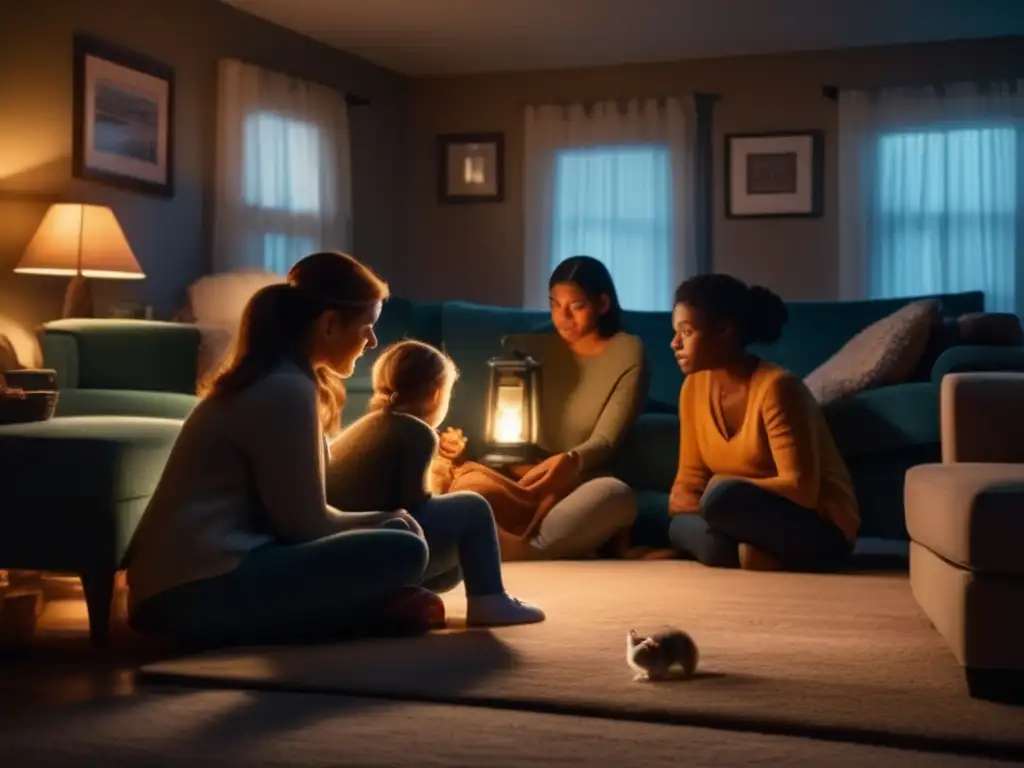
(988, 329)
(215, 305)
(994, 329)
(21, 347)
(884, 353)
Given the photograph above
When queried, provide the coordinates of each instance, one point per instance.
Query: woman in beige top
(238, 543)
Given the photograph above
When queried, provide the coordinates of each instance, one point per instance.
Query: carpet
(844, 657)
(196, 729)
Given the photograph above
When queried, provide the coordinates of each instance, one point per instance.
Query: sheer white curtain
(614, 182)
(930, 189)
(283, 170)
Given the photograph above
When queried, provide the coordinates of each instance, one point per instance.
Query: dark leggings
(316, 590)
(733, 512)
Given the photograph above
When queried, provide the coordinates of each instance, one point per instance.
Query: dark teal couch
(149, 368)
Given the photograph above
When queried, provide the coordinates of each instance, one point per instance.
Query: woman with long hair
(595, 382)
(238, 543)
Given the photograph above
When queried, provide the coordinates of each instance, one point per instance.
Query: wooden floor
(58, 666)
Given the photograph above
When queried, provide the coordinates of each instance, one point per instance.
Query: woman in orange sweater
(760, 483)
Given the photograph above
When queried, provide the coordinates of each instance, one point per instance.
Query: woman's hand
(402, 521)
(556, 475)
(452, 444)
(683, 501)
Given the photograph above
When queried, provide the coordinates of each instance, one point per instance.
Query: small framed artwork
(774, 175)
(123, 118)
(471, 168)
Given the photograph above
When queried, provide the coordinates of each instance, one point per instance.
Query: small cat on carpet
(668, 654)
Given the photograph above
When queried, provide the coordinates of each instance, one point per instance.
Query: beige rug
(196, 729)
(845, 657)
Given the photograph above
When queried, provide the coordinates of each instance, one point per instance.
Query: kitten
(664, 655)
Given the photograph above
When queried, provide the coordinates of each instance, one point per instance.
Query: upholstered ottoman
(73, 492)
(965, 518)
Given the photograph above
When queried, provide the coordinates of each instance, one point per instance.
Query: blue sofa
(149, 368)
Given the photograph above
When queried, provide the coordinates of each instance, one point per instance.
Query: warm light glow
(75, 238)
(508, 413)
(508, 425)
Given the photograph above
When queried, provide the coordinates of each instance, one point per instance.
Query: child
(392, 458)
(389, 458)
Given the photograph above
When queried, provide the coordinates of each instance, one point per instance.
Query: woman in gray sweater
(594, 384)
(238, 543)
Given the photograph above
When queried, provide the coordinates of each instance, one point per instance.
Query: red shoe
(409, 611)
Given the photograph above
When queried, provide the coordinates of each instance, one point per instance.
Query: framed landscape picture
(774, 175)
(123, 118)
(471, 168)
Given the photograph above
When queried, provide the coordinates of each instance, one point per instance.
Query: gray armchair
(965, 517)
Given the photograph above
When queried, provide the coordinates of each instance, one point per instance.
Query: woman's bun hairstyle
(766, 315)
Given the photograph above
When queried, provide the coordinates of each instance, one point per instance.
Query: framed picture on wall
(471, 168)
(774, 175)
(123, 118)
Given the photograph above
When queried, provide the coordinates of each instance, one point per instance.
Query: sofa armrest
(143, 355)
(965, 358)
(982, 417)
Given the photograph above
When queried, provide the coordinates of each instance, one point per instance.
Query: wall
(171, 237)
(475, 251)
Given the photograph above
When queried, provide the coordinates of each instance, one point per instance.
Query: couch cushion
(884, 353)
(125, 402)
(818, 329)
(885, 419)
(969, 514)
(648, 457)
(652, 520)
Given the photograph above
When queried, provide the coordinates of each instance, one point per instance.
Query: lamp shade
(80, 239)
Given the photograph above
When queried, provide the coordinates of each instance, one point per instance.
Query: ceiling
(441, 37)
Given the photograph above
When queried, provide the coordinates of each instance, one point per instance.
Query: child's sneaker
(500, 610)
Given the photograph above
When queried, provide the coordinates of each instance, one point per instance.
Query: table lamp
(513, 411)
(80, 241)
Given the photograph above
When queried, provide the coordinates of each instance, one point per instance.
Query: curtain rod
(831, 92)
(707, 97)
(351, 99)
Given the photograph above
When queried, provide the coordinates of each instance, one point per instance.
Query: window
(282, 187)
(946, 209)
(615, 204)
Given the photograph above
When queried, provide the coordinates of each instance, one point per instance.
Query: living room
(442, 74)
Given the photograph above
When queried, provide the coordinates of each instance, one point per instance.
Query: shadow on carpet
(839, 657)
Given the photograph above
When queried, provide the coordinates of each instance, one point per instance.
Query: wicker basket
(34, 406)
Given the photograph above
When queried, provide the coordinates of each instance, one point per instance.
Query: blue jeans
(290, 592)
(734, 512)
(463, 541)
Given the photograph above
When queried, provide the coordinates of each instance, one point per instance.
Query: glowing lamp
(513, 410)
(80, 242)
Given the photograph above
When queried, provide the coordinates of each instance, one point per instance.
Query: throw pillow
(996, 329)
(884, 353)
(215, 304)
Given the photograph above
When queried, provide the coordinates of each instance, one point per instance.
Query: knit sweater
(587, 404)
(783, 445)
(381, 462)
(246, 470)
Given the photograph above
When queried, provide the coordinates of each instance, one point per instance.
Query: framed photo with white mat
(123, 118)
(774, 175)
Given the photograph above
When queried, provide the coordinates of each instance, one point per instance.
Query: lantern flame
(509, 425)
